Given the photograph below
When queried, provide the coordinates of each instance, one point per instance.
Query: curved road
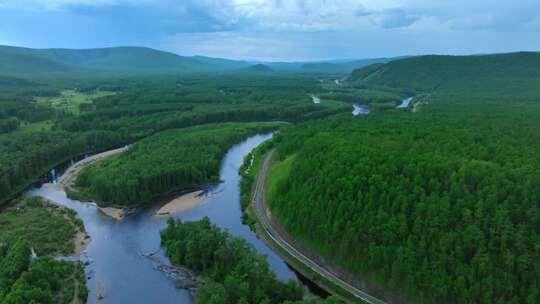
(263, 215)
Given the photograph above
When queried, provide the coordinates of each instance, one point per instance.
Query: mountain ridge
(429, 72)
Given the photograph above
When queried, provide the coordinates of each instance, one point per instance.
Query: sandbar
(180, 204)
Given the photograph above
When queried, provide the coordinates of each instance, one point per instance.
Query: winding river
(119, 270)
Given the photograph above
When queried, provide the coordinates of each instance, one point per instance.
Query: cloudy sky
(277, 29)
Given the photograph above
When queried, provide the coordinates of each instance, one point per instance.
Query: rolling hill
(35, 63)
(13, 63)
(125, 60)
(426, 73)
(258, 68)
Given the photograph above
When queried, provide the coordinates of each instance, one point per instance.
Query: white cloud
(235, 45)
(296, 15)
(54, 5)
(266, 29)
(310, 15)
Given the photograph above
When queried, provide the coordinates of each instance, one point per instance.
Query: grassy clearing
(277, 175)
(70, 100)
(35, 126)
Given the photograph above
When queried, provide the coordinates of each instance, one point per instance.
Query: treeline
(232, 270)
(164, 162)
(48, 230)
(442, 205)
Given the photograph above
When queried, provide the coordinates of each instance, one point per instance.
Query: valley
(197, 179)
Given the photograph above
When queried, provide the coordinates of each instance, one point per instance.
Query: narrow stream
(118, 269)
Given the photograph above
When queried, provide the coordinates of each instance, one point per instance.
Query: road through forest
(263, 214)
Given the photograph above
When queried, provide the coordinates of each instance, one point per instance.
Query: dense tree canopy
(164, 162)
(49, 230)
(515, 72)
(49, 282)
(443, 205)
(232, 269)
(41, 126)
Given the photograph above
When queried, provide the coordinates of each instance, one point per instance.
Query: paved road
(263, 214)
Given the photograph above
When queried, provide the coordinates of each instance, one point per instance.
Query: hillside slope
(425, 73)
(439, 204)
(13, 63)
(17, 60)
(258, 68)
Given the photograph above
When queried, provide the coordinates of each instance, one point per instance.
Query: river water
(118, 269)
(359, 109)
(405, 103)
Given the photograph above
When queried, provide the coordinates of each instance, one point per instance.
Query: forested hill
(441, 205)
(425, 73)
(259, 68)
(23, 64)
(16, 60)
(19, 61)
(438, 202)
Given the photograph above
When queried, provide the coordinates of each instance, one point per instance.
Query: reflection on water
(118, 268)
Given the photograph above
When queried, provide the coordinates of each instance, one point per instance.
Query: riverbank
(180, 204)
(81, 240)
(67, 179)
(118, 252)
(115, 213)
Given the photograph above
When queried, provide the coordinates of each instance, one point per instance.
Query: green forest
(438, 202)
(442, 204)
(49, 230)
(41, 127)
(163, 163)
(232, 270)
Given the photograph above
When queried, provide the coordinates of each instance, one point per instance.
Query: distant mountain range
(259, 68)
(18, 61)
